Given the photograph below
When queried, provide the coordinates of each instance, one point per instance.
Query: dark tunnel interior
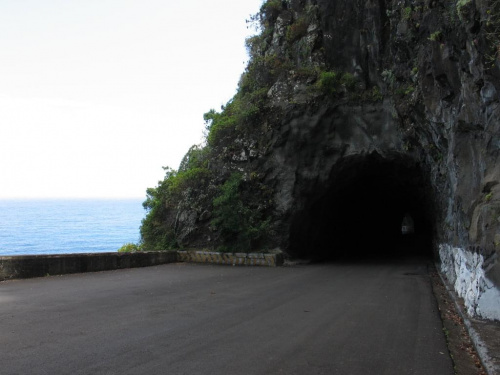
(372, 208)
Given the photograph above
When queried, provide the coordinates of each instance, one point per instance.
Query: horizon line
(12, 198)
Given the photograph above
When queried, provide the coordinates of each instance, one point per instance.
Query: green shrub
(306, 73)
(331, 82)
(156, 232)
(196, 157)
(404, 90)
(254, 44)
(406, 13)
(237, 113)
(262, 72)
(242, 111)
(349, 81)
(463, 9)
(328, 82)
(218, 124)
(238, 224)
(270, 10)
(161, 202)
(410, 89)
(271, 6)
(297, 30)
(435, 36)
(156, 235)
(376, 94)
(129, 248)
(191, 178)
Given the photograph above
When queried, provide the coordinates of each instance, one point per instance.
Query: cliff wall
(351, 115)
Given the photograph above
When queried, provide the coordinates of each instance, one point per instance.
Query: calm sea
(68, 226)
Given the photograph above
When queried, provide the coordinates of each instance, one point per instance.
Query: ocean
(68, 226)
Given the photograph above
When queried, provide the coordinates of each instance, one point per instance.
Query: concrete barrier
(27, 266)
(19, 267)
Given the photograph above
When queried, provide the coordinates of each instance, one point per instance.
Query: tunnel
(372, 207)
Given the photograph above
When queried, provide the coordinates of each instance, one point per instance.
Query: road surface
(348, 318)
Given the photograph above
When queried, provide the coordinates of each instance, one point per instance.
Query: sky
(96, 96)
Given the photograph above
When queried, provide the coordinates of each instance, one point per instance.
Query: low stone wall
(233, 259)
(19, 267)
(26, 266)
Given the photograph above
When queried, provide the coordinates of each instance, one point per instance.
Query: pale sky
(97, 95)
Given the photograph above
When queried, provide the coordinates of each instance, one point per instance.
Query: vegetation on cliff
(197, 183)
(241, 226)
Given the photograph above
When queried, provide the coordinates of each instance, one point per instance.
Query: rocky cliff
(351, 115)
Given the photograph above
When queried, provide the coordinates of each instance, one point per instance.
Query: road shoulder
(462, 348)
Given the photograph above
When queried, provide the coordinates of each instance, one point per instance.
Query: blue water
(68, 226)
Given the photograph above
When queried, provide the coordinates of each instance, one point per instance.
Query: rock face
(411, 128)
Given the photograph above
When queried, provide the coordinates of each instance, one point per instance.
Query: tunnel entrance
(371, 208)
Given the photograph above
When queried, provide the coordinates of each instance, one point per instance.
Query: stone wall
(18, 267)
(231, 259)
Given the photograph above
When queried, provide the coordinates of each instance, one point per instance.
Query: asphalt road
(203, 319)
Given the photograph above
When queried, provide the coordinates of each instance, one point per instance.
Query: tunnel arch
(359, 212)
